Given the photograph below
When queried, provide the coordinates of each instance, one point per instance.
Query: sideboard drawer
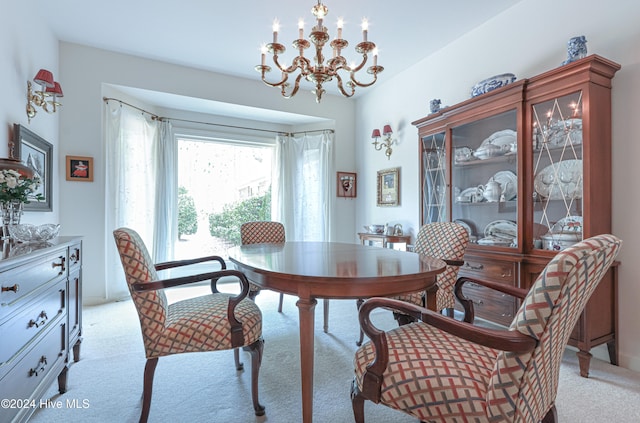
(30, 321)
(33, 373)
(494, 270)
(490, 304)
(19, 282)
(487, 303)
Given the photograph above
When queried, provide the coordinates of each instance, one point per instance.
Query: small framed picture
(389, 187)
(346, 186)
(79, 168)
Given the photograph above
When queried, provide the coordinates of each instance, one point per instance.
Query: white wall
(526, 40)
(24, 52)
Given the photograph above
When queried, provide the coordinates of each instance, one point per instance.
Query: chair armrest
(184, 280)
(504, 340)
(172, 264)
(469, 313)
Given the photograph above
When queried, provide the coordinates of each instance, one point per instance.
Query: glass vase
(11, 212)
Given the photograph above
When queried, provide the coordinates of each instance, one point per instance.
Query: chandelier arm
(341, 87)
(275, 84)
(363, 84)
(293, 92)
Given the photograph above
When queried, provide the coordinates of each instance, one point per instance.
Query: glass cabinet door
(484, 179)
(434, 194)
(558, 172)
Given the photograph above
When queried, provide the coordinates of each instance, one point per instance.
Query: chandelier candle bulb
(375, 57)
(365, 30)
(340, 24)
(263, 51)
(276, 28)
(301, 29)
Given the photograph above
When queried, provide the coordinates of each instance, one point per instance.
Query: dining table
(332, 270)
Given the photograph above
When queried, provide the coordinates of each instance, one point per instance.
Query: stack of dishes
(502, 233)
(497, 144)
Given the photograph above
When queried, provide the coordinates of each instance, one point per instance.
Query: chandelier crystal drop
(315, 70)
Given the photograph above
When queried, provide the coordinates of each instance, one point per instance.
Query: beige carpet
(204, 387)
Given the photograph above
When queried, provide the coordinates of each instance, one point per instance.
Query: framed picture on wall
(79, 168)
(389, 187)
(346, 185)
(36, 153)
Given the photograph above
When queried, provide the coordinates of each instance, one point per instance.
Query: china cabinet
(40, 321)
(526, 168)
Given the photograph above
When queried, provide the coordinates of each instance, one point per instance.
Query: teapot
(492, 191)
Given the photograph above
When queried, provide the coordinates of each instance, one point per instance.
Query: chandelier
(315, 70)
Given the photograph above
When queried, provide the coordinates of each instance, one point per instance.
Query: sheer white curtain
(303, 188)
(140, 170)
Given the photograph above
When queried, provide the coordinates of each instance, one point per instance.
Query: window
(220, 185)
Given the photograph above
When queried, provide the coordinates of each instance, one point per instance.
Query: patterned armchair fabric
(447, 241)
(207, 323)
(436, 376)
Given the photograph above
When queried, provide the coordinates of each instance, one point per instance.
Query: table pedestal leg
(306, 309)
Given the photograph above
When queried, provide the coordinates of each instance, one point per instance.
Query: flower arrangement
(15, 187)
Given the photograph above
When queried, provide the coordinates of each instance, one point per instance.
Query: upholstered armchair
(212, 322)
(260, 232)
(443, 370)
(444, 240)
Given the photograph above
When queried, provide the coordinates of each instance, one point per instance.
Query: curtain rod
(161, 118)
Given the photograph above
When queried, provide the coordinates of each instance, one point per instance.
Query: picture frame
(346, 186)
(79, 168)
(35, 152)
(389, 187)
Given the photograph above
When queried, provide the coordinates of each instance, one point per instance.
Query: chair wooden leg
(280, 303)
(361, 338)
(357, 403)
(552, 416)
(149, 370)
(236, 358)
(325, 303)
(255, 350)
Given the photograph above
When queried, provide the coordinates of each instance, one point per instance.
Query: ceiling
(225, 36)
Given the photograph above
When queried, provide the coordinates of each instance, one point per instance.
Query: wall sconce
(50, 88)
(386, 142)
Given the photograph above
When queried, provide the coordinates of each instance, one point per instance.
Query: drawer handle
(506, 273)
(43, 316)
(472, 267)
(75, 256)
(507, 315)
(60, 265)
(477, 302)
(13, 288)
(39, 367)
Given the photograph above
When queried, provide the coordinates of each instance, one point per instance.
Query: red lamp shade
(44, 78)
(56, 90)
(375, 133)
(387, 130)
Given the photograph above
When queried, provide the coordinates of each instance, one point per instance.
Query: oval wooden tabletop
(335, 270)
